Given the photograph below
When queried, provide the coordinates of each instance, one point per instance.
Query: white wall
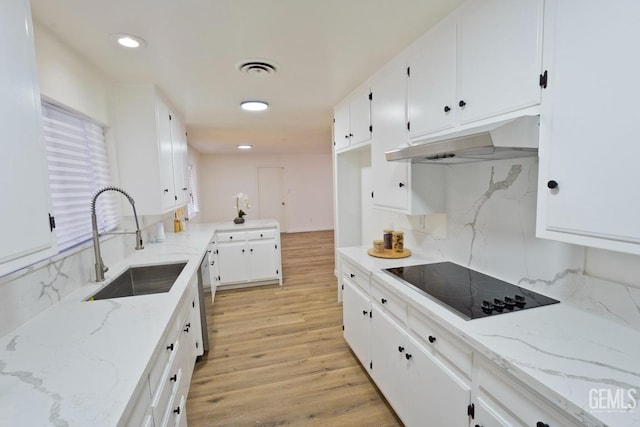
(307, 182)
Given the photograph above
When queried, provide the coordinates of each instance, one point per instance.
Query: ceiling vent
(258, 67)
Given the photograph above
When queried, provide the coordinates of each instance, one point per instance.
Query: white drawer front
(441, 342)
(357, 275)
(231, 236)
(169, 378)
(390, 302)
(261, 234)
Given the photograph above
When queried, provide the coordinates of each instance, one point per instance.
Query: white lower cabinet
(356, 320)
(162, 401)
(428, 375)
(248, 257)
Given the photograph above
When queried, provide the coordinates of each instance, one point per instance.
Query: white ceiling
(324, 49)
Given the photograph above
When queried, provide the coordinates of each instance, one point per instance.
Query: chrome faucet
(100, 267)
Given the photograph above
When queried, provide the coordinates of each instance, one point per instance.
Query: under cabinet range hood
(508, 139)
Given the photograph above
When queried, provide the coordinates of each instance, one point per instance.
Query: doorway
(271, 195)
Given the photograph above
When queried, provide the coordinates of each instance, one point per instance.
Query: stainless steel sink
(150, 279)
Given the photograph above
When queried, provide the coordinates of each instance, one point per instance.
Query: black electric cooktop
(468, 293)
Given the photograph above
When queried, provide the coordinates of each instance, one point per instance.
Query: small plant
(242, 201)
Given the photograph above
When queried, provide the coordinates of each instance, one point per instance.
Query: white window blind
(78, 167)
(193, 207)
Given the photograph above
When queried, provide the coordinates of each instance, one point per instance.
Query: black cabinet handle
(184, 188)
(170, 347)
(400, 349)
(230, 237)
(251, 250)
(174, 378)
(408, 356)
(166, 190)
(401, 185)
(447, 108)
(382, 300)
(243, 251)
(461, 104)
(432, 339)
(186, 330)
(350, 135)
(552, 184)
(365, 312)
(260, 235)
(541, 424)
(352, 275)
(346, 136)
(177, 410)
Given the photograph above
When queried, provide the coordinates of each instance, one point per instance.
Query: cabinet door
(432, 82)
(165, 154)
(233, 262)
(435, 392)
(355, 318)
(360, 117)
(499, 57)
(341, 127)
(23, 169)
(180, 159)
(589, 137)
(389, 354)
(263, 259)
(388, 113)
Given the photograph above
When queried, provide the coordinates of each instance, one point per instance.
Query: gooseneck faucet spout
(100, 267)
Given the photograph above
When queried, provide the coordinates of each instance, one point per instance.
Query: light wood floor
(277, 354)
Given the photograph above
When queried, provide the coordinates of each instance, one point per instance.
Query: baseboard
(305, 229)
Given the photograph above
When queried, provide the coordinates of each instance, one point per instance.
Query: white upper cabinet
(499, 57)
(481, 62)
(352, 120)
(399, 186)
(27, 238)
(589, 150)
(432, 81)
(151, 145)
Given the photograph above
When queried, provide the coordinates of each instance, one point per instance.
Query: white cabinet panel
(23, 168)
(341, 127)
(499, 57)
(355, 318)
(434, 392)
(263, 259)
(352, 120)
(588, 129)
(432, 82)
(233, 262)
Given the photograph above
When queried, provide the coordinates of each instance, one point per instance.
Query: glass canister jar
(388, 238)
(398, 241)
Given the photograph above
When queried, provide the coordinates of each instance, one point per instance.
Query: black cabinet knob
(177, 410)
(461, 104)
(408, 356)
(170, 347)
(352, 275)
(350, 135)
(230, 237)
(552, 184)
(346, 136)
(174, 378)
(541, 424)
(447, 108)
(432, 339)
(186, 329)
(365, 312)
(166, 190)
(243, 251)
(401, 184)
(400, 349)
(383, 300)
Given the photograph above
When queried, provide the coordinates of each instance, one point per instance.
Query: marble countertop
(79, 363)
(559, 351)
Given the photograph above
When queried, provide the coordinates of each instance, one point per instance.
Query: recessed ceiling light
(245, 147)
(254, 105)
(129, 41)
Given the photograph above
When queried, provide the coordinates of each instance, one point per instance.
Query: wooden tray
(389, 253)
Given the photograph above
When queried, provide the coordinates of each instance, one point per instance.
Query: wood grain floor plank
(278, 356)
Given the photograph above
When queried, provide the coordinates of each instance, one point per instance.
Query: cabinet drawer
(356, 274)
(169, 347)
(174, 405)
(230, 236)
(165, 387)
(503, 398)
(261, 234)
(440, 342)
(390, 302)
(140, 410)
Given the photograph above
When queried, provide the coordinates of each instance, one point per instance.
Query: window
(192, 207)
(78, 166)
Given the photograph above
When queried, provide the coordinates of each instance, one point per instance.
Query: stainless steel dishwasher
(204, 279)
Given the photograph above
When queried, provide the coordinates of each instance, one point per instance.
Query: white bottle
(160, 236)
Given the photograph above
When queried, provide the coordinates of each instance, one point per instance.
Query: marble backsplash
(490, 226)
(27, 292)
